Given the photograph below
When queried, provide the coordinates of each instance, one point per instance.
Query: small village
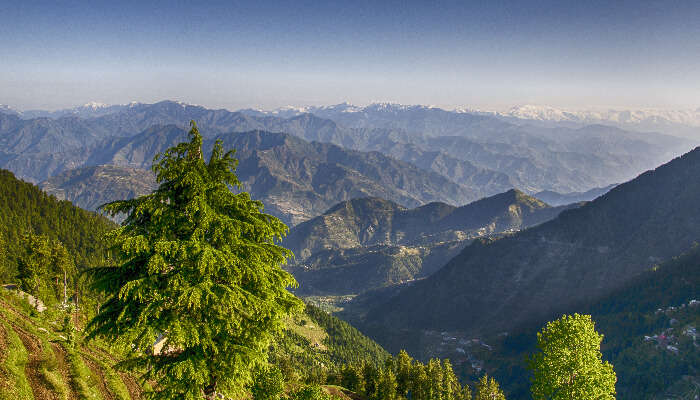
(670, 338)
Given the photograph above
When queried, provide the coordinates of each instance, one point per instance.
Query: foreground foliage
(569, 365)
(198, 267)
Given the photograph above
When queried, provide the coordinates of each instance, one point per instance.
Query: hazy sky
(485, 54)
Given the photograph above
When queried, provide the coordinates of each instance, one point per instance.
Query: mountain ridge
(495, 285)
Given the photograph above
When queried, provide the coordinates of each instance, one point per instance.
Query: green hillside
(368, 243)
(41, 357)
(25, 208)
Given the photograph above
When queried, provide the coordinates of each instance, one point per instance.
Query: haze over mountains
(483, 153)
(685, 123)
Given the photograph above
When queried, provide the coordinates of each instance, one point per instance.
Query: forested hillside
(367, 243)
(583, 254)
(25, 208)
(650, 335)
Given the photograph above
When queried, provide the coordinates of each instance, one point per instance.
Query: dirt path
(36, 381)
(99, 376)
(3, 344)
(64, 369)
(131, 385)
(129, 381)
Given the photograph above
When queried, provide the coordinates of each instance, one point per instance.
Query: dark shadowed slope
(585, 253)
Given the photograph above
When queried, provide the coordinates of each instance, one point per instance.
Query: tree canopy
(569, 364)
(197, 266)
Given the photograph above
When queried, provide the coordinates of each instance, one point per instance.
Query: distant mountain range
(677, 122)
(368, 243)
(295, 179)
(481, 152)
(529, 277)
(90, 187)
(558, 199)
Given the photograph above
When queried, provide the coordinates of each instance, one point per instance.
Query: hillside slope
(90, 187)
(295, 179)
(655, 310)
(25, 208)
(37, 361)
(366, 243)
(584, 253)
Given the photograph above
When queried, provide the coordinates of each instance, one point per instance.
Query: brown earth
(97, 372)
(131, 385)
(36, 357)
(342, 393)
(64, 369)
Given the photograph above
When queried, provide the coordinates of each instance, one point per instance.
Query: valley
(451, 235)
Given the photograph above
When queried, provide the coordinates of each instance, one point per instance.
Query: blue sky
(486, 54)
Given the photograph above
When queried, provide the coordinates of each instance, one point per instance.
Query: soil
(100, 378)
(131, 385)
(64, 369)
(36, 380)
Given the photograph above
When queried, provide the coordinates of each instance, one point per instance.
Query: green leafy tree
(45, 268)
(435, 379)
(310, 392)
(420, 383)
(370, 377)
(569, 364)
(466, 393)
(351, 378)
(4, 275)
(268, 384)
(198, 264)
(488, 389)
(451, 389)
(33, 264)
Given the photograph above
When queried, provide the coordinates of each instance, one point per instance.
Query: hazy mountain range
(295, 179)
(483, 153)
(684, 123)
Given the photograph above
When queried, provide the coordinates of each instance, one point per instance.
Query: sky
(267, 54)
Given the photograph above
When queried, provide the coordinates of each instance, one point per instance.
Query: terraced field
(38, 362)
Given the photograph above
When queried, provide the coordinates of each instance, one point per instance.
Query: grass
(14, 384)
(48, 365)
(46, 327)
(113, 381)
(85, 382)
(49, 370)
(304, 326)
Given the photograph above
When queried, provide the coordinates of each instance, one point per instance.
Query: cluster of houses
(669, 338)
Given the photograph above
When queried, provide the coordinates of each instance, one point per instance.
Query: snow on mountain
(4, 108)
(645, 116)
